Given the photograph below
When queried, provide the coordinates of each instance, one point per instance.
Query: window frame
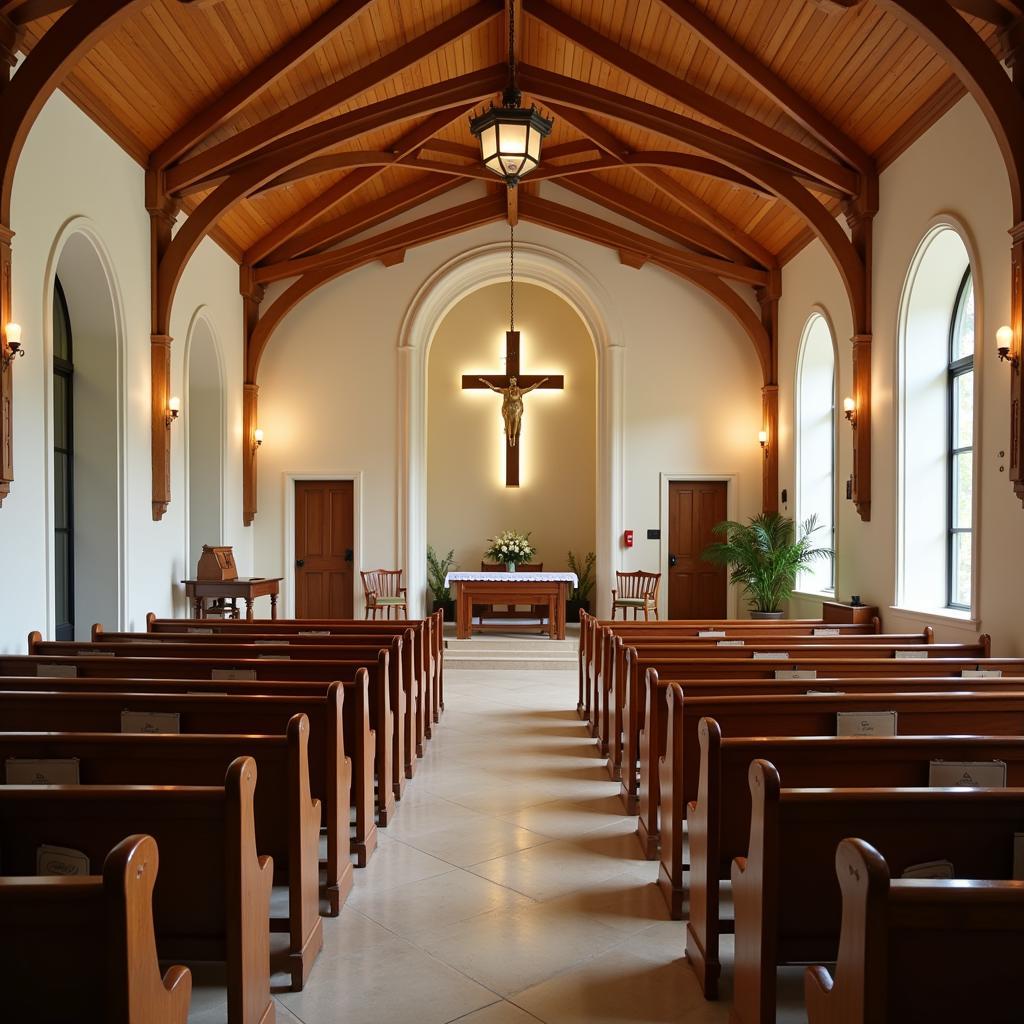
(955, 369)
(65, 368)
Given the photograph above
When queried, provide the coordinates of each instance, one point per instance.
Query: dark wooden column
(768, 298)
(252, 297)
(7, 375)
(1014, 43)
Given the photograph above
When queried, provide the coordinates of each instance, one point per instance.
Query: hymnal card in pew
(245, 674)
(981, 673)
(796, 673)
(151, 722)
(910, 655)
(729, 643)
(825, 632)
(986, 774)
(707, 634)
(865, 723)
(771, 655)
(60, 860)
(314, 632)
(57, 671)
(41, 771)
(930, 869)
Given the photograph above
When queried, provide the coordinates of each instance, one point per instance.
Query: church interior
(511, 511)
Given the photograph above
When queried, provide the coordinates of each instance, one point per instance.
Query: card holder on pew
(985, 774)
(157, 722)
(41, 771)
(865, 723)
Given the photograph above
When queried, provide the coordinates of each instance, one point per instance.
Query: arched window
(816, 446)
(63, 468)
(936, 504)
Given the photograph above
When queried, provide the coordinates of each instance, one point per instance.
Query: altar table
(511, 588)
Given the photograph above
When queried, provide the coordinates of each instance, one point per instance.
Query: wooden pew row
(415, 661)
(653, 745)
(938, 951)
(718, 817)
(338, 781)
(431, 629)
(592, 647)
(382, 662)
(213, 900)
(611, 695)
(829, 674)
(251, 670)
(83, 948)
(287, 818)
(787, 906)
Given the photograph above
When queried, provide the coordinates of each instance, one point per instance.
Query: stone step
(501, 645)
(510, 662)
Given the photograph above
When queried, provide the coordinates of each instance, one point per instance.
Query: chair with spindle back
(637, 590)
(384, 592)
(536, 611)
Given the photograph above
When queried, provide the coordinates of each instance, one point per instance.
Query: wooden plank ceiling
(862, 70)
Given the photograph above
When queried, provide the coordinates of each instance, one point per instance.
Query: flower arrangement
(511, 548)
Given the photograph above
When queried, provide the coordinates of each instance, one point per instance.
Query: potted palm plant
(765, 556)
(579, 596)
(437, 570)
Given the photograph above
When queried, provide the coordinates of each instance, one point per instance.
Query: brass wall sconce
(762, 437)
(1004, 341)
(850, 411)
(12, 336)
(173, 410)
(257, 438)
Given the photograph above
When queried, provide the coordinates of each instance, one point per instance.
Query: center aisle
(510, 887)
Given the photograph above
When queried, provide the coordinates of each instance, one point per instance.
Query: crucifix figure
(512, 385)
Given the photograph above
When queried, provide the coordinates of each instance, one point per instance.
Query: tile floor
(510, 888)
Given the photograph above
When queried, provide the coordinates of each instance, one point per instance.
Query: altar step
(512, 654)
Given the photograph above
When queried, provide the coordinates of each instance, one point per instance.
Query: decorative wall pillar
(770, 418)
(6, 375)
(861, 484)
(1016, 376)
(160, 370)
(252, 297)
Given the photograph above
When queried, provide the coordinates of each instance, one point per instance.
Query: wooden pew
(383, 661)
(251, 670)
(414, 681)
(431, 629)
(787, 906)
(828, 673)
(718, 817)
(612, 694)
(591, 648)
(287, 818)
(655, 759)
(83, 948)
(213, 897)
(936, 951)
(337, 781)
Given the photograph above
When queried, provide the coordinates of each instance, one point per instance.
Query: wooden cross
(477, 381)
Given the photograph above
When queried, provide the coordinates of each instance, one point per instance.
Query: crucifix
(512, 385)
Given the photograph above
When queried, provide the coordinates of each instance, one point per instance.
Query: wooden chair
(637, 590)
(384, 592)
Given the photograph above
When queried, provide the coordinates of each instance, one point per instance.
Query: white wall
(329, 398)
(955, 169)
(73, 176)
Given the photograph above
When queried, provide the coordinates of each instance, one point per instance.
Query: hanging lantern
(510, 135)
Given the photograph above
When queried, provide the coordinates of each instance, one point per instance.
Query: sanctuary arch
(460, 277)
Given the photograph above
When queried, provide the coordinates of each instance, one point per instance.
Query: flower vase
(510, 567)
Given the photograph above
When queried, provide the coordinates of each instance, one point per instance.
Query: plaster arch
(80, 258)
(204, 414)
(466, 273)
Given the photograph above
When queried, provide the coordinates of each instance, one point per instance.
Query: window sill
(950, 615)
(813, 595)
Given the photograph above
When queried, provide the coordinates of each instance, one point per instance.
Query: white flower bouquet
(510, 547)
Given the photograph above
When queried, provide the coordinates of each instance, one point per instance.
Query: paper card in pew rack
(865, 723)
(60, 860)
(986, 774)
(771, 655)
(825, 632)
(910, 655)
(314, 632)
(57, 671)
(156, 722)
(41, 771)
(981, 673)
(796, 673)
(244, 674)
(729, 643)
(708, 634)
(930, 869)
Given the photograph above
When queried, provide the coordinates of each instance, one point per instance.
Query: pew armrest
(818, 986)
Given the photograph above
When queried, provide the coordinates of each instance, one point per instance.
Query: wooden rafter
(251, 141)
(25, 11)
(255, 82)
(772, 142)
(512, 206)
(758, 74)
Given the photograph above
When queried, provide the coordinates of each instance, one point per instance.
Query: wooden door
(323, 549)
(696, 589)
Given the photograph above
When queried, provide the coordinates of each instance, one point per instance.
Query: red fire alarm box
(627, 538)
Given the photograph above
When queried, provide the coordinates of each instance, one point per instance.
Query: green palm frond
(764, 556)
(437, 570)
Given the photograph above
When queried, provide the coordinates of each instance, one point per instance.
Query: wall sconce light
(850, 410)
(173, 409)
(762, 437)
(257, 438)
(1004, 340)
(12, 334)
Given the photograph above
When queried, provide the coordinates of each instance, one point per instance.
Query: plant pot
(765, 615)
(573, 609)
(510, 567)
(446, 607)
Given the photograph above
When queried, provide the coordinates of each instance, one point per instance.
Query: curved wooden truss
(705, 172)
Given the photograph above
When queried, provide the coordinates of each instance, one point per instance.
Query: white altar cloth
(513, 577)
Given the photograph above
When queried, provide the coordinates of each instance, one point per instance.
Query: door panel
(324, 539)
(696, 589)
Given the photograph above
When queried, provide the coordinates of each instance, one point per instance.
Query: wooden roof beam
(512, 206)
(554, 89)
(277, 126)
(255, 82)
(759, 75)
(768, 139)
(363, 217)
(336, 193)
(21, 13)
(718, 235)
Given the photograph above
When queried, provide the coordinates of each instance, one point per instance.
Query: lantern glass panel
(533, 145)
(489, 143)
(513, 140)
